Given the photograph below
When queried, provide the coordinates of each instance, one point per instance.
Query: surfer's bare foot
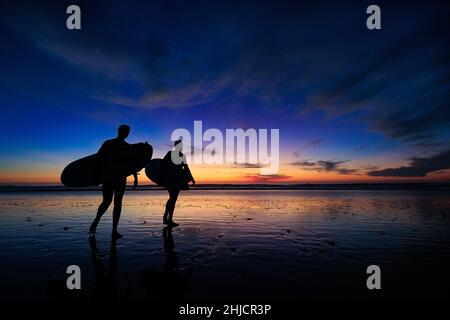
(172, 224)
(116, 235)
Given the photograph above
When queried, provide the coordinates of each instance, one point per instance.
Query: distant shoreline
(346, 186)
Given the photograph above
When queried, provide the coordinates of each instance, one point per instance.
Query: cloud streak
(325, 166)
(257, 178)
(401, 89)
(419, 167)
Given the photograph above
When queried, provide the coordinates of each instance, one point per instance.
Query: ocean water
(254, 244)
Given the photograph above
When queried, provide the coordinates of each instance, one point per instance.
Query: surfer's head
(123, 131)
(178, 144)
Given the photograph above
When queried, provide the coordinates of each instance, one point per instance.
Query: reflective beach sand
(230, 244)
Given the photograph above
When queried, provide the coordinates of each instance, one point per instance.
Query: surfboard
(173, 177)
(152, 170)
(122, 162)
(81, 173)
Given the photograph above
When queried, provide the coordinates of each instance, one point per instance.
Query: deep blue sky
(350, 103)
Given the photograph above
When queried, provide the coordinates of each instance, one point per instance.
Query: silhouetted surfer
(175, 176)
(112, 185)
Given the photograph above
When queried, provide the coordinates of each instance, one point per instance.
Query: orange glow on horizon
(234, 175)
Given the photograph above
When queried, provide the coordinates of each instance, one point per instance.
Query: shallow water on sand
(230, 244)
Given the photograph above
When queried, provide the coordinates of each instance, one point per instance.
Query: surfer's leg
(173, 198)
(118, 195)
(166, 212)
(168, 207)
(107, 192)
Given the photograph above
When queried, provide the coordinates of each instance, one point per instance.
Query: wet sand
(265, 244)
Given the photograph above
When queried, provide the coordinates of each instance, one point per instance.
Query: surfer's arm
(189, 172)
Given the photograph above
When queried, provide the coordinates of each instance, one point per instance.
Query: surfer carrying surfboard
(175, 176)
(112, 185)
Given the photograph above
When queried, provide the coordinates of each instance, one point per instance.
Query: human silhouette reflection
(168, 283)
(171, 282)
(105, 279)
(171, 265)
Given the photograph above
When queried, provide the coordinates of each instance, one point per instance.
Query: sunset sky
(352, 105)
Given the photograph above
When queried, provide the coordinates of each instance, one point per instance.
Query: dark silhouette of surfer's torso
(175, 175)
(110, 145)
(104, 153)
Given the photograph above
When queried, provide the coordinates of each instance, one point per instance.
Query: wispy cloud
(407, 103)
(305, 163)
(274, 69)
(325, 166)
(315, 142)
(249, 165)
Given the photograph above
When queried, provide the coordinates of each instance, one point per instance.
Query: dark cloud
(419, 167)
(346, 171)
(330, 165)
(257, 178)
(402, 87)
(249, 165)
(325, 166)
(305, 163)
(419, 120)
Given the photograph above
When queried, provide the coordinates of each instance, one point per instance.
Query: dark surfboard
(122, 162)
(180, 179)
(152, 170)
